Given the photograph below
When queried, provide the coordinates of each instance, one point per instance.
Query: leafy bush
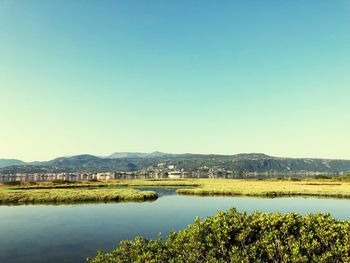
(13, 183)
(93, 180)
(60, 181)
(294, 179)
(321, 177)
(344, 178)
(238, 237)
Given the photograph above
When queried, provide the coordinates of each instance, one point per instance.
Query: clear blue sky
(175, 76)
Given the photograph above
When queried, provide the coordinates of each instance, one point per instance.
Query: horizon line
(172, 153)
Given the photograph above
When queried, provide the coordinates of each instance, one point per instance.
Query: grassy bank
(270, 187)
(335, 187)
(106, 183)
(11, 195)
(237, 237)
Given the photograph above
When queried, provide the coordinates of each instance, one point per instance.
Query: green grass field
(270, 188)
(104, 184)
(107, 191)
(11, 195)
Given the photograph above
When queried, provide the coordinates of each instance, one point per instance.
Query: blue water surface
(71, 233)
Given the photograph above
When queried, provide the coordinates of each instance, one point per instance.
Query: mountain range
(132, 161)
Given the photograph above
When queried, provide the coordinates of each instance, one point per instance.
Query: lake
(70, 233)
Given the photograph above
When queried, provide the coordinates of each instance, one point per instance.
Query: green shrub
(31, 183)
(13, 183)
(93, 180)
(344, 178)
(322, 177)
(60, 181)
(238, 237)
(294, 179)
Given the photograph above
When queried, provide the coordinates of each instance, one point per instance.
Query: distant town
(160, 171)
(165, 165)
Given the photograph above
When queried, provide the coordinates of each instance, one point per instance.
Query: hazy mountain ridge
(137, 155)
(10, 162)
(254, 162)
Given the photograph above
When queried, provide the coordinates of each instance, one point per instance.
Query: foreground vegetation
(25, 196)
(238, 237)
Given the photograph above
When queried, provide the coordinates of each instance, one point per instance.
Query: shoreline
(124, 190)
(70, 196)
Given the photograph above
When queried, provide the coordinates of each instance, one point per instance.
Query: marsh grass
(110, 183)
(343, 178)
(338, 187)
(270, 188)
(20, 196)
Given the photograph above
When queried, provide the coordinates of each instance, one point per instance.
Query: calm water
(70, 233)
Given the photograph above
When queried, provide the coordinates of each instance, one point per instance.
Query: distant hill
(9, 162)
(30, 169)
(137, 155)
(239, 163)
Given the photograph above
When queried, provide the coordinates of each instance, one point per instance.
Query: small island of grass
(120, 190)
(10, 195)
(270, 187)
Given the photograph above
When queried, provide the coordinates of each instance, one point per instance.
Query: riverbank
(272, 188)
(62, 191)
(105, 183)
(336, 187)
(10, 195)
